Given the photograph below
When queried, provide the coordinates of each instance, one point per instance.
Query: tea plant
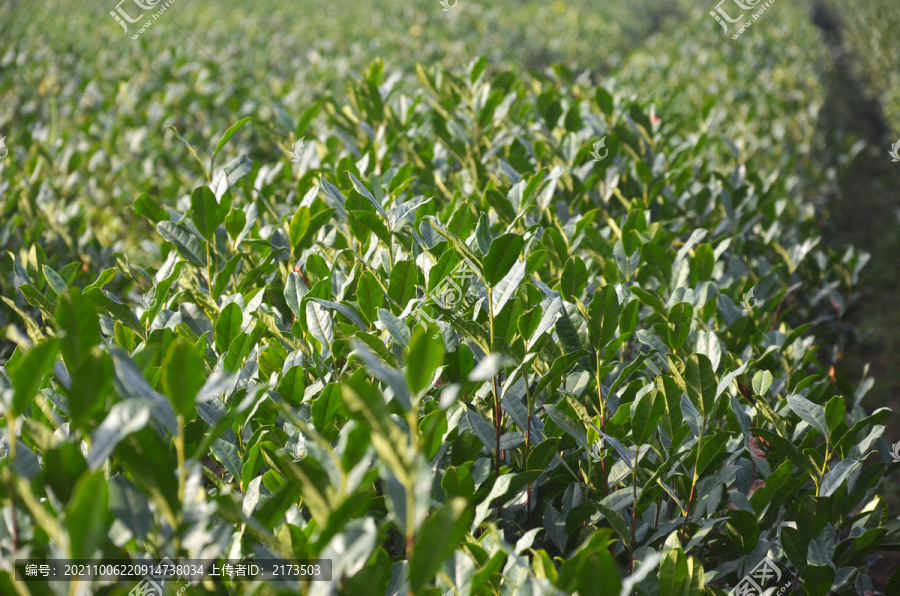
(452, 349)
(508, 373)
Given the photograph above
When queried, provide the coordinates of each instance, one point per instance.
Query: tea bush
(458, 347)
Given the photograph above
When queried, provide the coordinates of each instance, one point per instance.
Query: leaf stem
(413, 421)
(498, 413)
(11, 438)
(602, 426)
(528, 451)
(690, 502)
(182, 473)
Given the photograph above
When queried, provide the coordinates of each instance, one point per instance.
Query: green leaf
(604, 314)
(161, 293)
(458, 245)
(785, 447)
(206, 213)
(147, 207)
(761, 383)
(403, 281)
(53, 278)
(369, 296)
(483, 234)
(648, 409)
(371, 222)
(191, 149)
(437, 540)
(88, 517)
(228, 326)
(425, 355)
(817, 579)
(680, 317)
(293, 385)
(361, 189)
(574, 279)
(294, 291)
(658, 261)
(368, 408)
(226, 136)
(182, 376)
(319, 323)
(542, 454)
(79, 327)
(503, 254)
(299, 227)
(28, 372)
(121, 312)
(679, 575)
(592, 570)
(811, 413)
(700, 382)
(186, 243)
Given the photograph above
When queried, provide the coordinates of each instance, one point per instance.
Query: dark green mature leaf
(811, 413)
(700, 382)
(680, 575)
(79, 329)
(592, 570)
(182, 376)
(88, 517)
(574, 278)
(28, 372)
(186, 243)
(437, 540)
(372, 222)
(604, 316)
(121, 312)
(404, 279)
(147, 207)
(649, 409)
(786, 448)
(369, 296)
(299, 227)
(680, 318)
(369, 409)
(817, 579)
(206, 212)
(228, 326)
(483, 234)
(503, 254)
